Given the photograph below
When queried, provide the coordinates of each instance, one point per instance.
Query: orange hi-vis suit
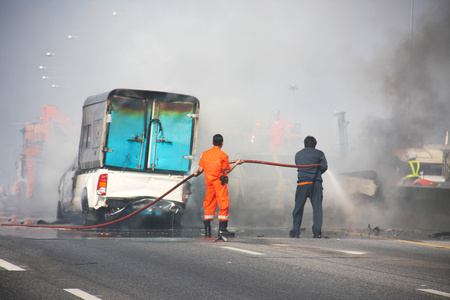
(214, 161)
(278, 132)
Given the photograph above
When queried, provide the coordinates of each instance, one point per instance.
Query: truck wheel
(84, 216)
(85, 221)
(60, 216)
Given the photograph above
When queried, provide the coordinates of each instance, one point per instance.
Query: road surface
(260, 263)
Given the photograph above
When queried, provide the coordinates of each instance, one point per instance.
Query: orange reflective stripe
(303, 183)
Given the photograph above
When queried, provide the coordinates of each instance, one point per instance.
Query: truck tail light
(101, 184)
(186, 191)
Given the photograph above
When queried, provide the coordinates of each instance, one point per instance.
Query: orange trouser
(216, 194)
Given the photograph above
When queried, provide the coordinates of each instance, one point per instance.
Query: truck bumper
(161, 209)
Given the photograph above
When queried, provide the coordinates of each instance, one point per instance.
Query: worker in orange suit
(214, 162)
(279, 131)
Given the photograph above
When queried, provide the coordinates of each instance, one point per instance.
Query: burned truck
(134, 146)
(434, 165)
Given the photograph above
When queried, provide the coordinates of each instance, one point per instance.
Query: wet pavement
(20, 228)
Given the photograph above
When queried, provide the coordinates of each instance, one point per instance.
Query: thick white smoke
(240, 59)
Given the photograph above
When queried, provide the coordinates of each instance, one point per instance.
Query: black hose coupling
(224, 179)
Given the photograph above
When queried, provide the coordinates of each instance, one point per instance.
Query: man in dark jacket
(309, 185)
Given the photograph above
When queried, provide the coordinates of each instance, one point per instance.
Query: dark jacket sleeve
(323, 163)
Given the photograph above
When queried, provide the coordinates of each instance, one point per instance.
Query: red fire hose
(274, 164)
(108, 223)
(154, 201)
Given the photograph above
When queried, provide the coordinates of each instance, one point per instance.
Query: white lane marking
(242, 250)
(82, 294)
(9, 266)
(436, 292)
(342, 251)
(352, 252)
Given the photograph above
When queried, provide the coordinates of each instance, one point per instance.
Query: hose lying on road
(151, 203)
(108, 223)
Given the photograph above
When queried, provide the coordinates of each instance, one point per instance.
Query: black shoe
(294, 233)
(223, 229)
(226, 233)
(317, 236)
(207, 228)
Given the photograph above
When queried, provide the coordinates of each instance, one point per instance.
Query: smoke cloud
(241, 59)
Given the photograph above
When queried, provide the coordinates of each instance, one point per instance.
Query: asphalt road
(260, 263)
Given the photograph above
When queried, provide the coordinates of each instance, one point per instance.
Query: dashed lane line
(435, 292)
(243, 251)
(82, 294)
(9, 266)
(77, 292)
(351, 252)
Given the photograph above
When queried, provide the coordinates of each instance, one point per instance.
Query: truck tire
(85, 220)
(60, 216)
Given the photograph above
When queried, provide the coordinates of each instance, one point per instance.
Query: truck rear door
(151, 134)
(127, 132)
(171, 138)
